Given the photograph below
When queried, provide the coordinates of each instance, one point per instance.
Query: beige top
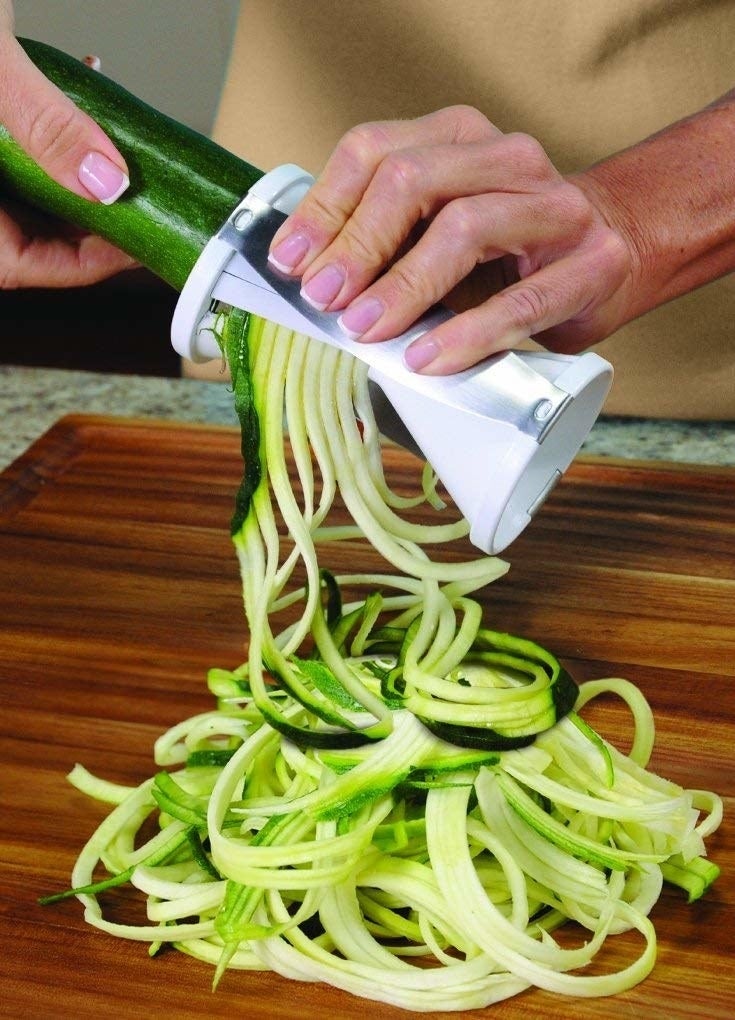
(586, 78)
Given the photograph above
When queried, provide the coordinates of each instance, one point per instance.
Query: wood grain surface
(119, 588)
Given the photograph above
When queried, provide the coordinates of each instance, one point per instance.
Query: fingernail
(102, 178)
(421, 354)
(323, 288)
(289, 252)
(358, 318)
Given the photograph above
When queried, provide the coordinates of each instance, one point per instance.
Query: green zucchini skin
(182, 185)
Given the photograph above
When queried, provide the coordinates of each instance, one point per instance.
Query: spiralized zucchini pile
(389, 797)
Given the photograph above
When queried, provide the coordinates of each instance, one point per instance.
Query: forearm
(673, 198)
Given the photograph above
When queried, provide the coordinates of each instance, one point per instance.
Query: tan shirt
(586, 77)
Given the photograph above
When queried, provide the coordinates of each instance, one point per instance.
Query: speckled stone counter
(32, 399)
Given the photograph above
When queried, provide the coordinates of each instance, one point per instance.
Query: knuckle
(323, 205)
(469, 122)
(362, 243)
(405, 278)
(364, 144)
(460, 220)
(52, 131)
(528, 152)
(401, 173)
(526, 304)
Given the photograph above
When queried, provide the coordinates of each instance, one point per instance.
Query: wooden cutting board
(118, 589)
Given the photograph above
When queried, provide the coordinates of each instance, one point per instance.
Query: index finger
(334, 196)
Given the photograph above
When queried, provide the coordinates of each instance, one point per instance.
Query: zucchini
(182, 185)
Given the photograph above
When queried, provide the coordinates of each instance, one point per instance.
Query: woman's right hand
(76, 153)
(408, 211)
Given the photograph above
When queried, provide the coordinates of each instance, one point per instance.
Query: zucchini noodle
(389, 797)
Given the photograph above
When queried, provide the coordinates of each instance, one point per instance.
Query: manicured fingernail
(102, 178)
(289, 252)
(421, 354)
(359, 318)
(323, 288)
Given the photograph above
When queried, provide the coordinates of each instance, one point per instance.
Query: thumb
(60, 137)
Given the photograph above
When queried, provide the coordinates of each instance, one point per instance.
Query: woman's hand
(407, 211)
(73, 150)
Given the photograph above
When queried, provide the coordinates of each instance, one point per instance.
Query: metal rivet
(542, 410)
(242, 219)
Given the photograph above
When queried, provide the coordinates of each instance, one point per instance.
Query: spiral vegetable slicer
(499, 435)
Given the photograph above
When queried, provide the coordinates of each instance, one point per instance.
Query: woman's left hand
(37, 251)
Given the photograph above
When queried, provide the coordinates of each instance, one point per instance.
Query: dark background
(120, 325)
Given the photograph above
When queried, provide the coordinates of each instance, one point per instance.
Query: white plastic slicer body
(499, 435)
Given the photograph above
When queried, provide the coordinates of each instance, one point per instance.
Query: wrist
(607, 186)
(671, 198)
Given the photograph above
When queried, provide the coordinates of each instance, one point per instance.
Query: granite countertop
(33, 399)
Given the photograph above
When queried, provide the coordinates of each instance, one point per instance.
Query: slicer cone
(498, 475)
